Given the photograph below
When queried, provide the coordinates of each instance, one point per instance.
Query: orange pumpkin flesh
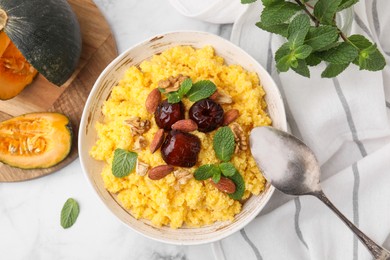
(15, 72)
(36, 140)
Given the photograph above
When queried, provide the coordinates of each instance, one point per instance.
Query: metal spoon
(291, 167)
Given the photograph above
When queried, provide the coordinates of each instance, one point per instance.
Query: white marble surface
(30, 211)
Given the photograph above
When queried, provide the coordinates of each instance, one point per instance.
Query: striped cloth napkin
(344, 120)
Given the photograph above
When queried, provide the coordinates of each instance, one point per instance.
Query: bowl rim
(84, 119)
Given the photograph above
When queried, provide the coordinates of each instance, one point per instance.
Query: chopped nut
(183, 176)
(164, 84)
(142, 168)
(172, 84)
(239, 137)
(221, 98)
(137, 125)
(140, 143)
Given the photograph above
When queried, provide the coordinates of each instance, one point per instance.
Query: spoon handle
(378, 252)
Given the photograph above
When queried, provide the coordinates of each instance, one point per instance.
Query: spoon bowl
(286, 162)
(291, 167)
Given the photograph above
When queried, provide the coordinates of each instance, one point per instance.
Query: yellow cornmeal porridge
(164, 201)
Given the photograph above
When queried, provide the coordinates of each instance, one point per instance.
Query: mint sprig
(194, 92)
(69, 213)
(215, 172)
(176, 96)
(313, 37)
(124, 163)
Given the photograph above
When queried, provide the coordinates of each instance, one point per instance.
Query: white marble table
(30, 211)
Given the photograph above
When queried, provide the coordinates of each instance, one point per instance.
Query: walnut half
(239, 137)
(138, 126)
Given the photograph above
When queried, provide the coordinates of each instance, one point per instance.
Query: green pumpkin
(46, 32)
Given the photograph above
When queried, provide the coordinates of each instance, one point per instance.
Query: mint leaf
(247, 1)
(359, 41)
(280, 29)
(201, 90)
(216, 177)
(371, 59)
(123, 163)
(173, 97)
(302, 52)
(312, 60)
(325, 10)
(302, 68)
(185, 86)
(298, 29)
(205, 172)
(278, 13)
(322, 36)
(300, 22)
(271, 2)
(283, 57)
(343, 53)
(227, 169)
(224, 144)
(332, 70)
(69, 213)
(345, 4)
(240, 186)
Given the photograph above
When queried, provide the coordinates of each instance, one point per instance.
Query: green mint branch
(312, 37)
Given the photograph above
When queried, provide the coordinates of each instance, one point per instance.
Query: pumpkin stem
(3, 19)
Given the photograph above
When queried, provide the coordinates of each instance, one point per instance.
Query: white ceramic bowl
(92, 114)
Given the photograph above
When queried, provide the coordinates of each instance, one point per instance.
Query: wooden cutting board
(99, 49)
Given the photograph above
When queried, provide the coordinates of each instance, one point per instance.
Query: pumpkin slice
(15, 72)
(36, 140)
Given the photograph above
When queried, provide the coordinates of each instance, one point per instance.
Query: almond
(160, 172)
(230, 116)
(214, 95)
(226, 185)
(153, 100)
(185, 125)
(157, 140)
